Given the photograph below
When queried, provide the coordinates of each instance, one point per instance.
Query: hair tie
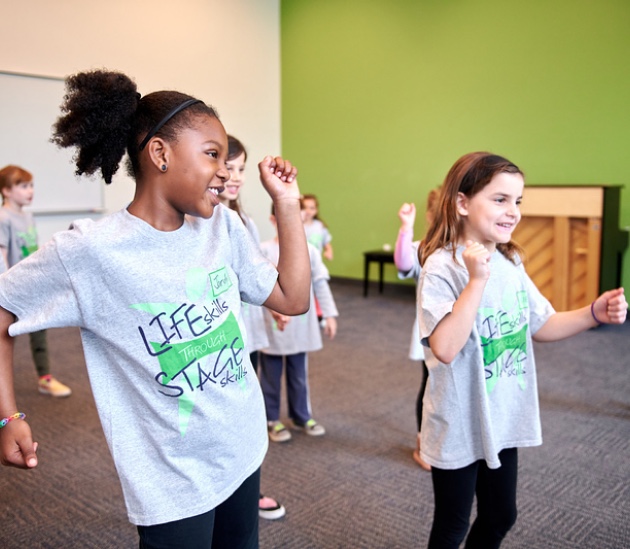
(593, 314)
(164, 120)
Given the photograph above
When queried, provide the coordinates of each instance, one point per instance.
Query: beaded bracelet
(593, 313)
(17, 415)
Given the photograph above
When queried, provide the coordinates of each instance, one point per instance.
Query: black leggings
(254, 358)
(454, 492)
(232, 524)
(39, 350)
(423, 386)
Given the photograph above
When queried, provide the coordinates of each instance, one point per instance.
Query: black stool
(378, 256)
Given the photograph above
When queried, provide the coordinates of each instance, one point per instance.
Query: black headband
(164, 120)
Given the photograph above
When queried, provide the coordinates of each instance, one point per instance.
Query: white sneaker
(270, 509)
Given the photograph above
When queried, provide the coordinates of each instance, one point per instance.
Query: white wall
(226, 52)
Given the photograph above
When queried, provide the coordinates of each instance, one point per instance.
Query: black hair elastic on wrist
(164, 120)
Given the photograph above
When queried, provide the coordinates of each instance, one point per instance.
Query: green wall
(380, 97)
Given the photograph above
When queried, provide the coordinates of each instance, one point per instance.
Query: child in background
(252, 315)
(290, 339)
(318, 235)
(18, 239)
(317, 232)
(156, 289)
(479, 312)
(268, 508)
(406, 261)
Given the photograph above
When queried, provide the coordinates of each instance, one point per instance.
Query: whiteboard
(29, 106)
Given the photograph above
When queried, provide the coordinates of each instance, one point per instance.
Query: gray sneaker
(278, 432)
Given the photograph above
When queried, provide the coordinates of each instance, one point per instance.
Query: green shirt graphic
(213, 357)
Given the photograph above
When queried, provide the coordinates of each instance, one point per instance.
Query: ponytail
(106, 116)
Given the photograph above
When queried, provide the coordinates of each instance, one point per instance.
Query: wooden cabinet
(572, 242)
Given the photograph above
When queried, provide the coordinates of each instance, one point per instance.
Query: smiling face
(196, 168)
(490, 216)
(236, 168)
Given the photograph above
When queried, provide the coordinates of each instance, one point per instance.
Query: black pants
(39, 350)
(254, 358)
(423, 386)
(231, 525)
(454, 492)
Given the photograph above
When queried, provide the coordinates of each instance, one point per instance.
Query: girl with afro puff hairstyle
(156, 290)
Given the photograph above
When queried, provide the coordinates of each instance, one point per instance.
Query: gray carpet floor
(357, 486)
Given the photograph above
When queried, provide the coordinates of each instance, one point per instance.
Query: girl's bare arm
(609, 308)
(17, 448)
(291, 294)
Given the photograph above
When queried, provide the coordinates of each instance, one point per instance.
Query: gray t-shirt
(302, 334)
(486, 400)
(17, 234)
(252, 314)
(317, 234)
(160, 319)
